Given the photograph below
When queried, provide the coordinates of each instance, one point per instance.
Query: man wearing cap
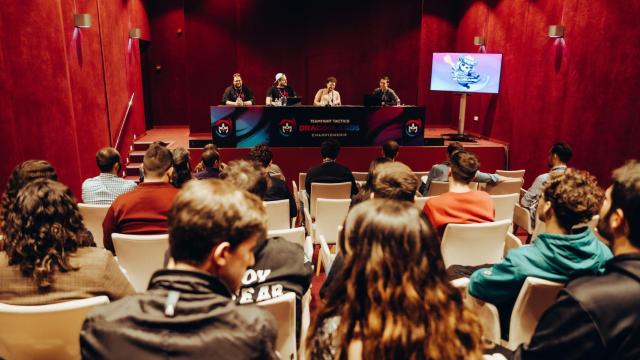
(279, 90)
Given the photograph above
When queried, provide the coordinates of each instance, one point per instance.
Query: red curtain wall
(64, 90)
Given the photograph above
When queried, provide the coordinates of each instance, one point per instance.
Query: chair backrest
(326, 255)
(504, 205)
(302, 181)
(519, 174)
(295, 235)
(331, 214)
(438, 187)
(419, 201)
(360, 175)
(277, 214)
(140, 256)
(296, 194)
(509, 186)
(328, 191)
(535, 297)
(44, 331)
(474, 244)
(283, 308)
(92, 217)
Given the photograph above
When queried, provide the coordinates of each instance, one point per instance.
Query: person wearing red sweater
(461, 205)
(144, 210)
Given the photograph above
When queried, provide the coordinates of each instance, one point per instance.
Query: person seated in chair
(560, 254)
(104, 188)
(276, 188)
(330, 171)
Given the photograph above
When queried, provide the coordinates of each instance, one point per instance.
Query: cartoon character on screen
(464, 71)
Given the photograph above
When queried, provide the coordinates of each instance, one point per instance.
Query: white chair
(331, 215)
(44, 331)
(92, 217)
(419, 201)
(518, 174)
(474, 244)
(326, 255)
(511, 242)
(140, 256)
(305, 321)
(283, 308)
(296, 197)
(505, 206)
(302, 181)
(328, 191)
(509, 186)
(277, 214)
(360, 175)
(296, 236)
(438, 187)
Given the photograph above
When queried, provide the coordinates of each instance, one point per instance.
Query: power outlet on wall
(475, 118)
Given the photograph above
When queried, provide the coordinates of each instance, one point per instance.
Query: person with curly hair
(560, 254)
(181, 171)
(49, 254)
(276, 186)
(393, 300)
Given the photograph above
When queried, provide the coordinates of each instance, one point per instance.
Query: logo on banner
(412, 127)
(287, 126)
(223, 127)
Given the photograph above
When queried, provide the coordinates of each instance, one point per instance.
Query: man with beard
(598, 317)
(237, 94)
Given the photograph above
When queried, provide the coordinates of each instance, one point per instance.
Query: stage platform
(493, 154)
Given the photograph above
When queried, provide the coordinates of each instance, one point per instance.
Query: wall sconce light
(135, 33)
(82, 20)
(478, 40)
(556, 31)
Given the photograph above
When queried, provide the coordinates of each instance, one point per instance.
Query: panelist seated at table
(238, 93)
(385, 94)
(328, 96)
(280, 90)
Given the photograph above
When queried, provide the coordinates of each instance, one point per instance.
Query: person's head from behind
(329, 149)
(394, 180)
(108, 160)
(246, 175)
(569, 199)
(464, 166)
(210, 159)
(44, 228)
(384, 82)
(261, 154)
(560, 154)
(453, 148)
(620, 214)
(181, 172)
(372, 168)
(156, 163)
(390, 149)
(237, 81)
(214, 226)
(331, 83)
(394, 289)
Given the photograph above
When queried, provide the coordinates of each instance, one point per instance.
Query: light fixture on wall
(556, 31)
(135, 33)
(478, 40)
(82, 20)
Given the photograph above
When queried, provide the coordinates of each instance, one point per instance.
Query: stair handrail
(124, 120)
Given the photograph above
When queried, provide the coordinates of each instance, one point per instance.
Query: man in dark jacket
(330, 171)
(598, 317)
(188, 311)
(276, 187)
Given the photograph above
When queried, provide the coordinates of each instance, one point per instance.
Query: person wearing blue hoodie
(560, 254)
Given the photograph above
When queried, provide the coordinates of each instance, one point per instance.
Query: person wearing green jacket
(560, 254)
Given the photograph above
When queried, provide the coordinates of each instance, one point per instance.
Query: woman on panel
(280, 91)
(328, 96)
(392, 300)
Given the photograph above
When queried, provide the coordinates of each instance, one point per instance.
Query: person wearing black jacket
(598, 317)
(188, 311)
(276, 187)
(330, 171)
(238, 93)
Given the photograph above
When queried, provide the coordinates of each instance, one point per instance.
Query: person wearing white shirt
(104, 188)
(328, 96)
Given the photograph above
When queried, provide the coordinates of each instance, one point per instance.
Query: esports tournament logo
(223, 128)
(412, 128)
(287, 126)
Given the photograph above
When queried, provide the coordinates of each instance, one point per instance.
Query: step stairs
(133, 170)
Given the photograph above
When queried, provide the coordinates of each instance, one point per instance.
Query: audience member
(276, 187)
(104, 188)
(461, 204)
(143, 210)
(211, 165)
(181, 171)
(440, 172)
(188, 311)
(390, 149)
(559, 254)
(49, 255)
(237, 94)
(385, 95)
(263, 150)
(280, 91)
(364, 193)
(201, 167)
(597, 317)
(330, 171)
(393, 300)
(328, 96)
(559, 156)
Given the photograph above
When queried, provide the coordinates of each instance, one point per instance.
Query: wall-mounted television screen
(466, 72)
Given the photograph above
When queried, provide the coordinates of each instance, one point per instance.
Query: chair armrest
(522, 218)
(489, 318)
(308, 247)
(511, 242)
(461, 283)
